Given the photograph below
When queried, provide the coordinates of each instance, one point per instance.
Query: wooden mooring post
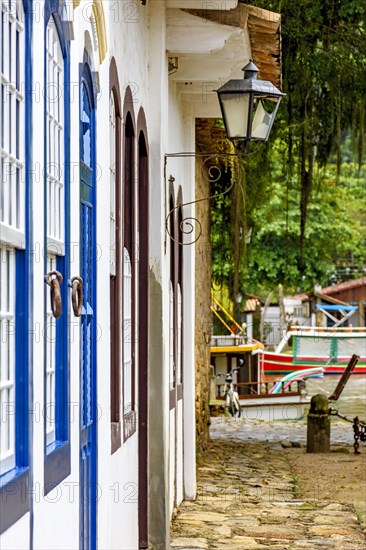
(318, 434)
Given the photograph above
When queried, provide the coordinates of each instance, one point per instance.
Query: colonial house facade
(97, 303)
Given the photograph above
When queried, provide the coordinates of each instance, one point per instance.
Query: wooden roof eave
(329, 299)
(265, 35)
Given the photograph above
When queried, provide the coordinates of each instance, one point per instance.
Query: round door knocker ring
(54, 279)
(77, 295)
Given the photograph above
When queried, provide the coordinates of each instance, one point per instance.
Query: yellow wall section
(98, 12)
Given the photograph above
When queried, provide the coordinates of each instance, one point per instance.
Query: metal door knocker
(77, 295)
(54, 279)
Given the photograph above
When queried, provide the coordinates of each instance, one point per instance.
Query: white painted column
(158, 406)
(189, 391)
(105, 482)
(37, 415)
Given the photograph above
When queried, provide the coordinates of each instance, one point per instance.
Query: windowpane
(50, 334)
(7, 358)
(128, 271)
(171, 337)
(112, 170)
(12, 198)
(55, 204)
(127, 331)
(12, 115)
(54, 98)
(179, 334)
(86, 135)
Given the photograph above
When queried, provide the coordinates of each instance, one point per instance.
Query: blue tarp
(335, 307)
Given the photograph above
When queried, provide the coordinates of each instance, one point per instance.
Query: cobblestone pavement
(247, 498)
(275, 432)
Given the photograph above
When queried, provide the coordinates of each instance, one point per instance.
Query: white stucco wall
(17, 536)
(137, 40)
(129, 46)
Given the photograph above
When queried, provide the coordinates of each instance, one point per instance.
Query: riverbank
(257, 491)
(339, 475)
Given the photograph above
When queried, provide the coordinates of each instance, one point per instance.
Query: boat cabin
(230, 352)
(259, 398)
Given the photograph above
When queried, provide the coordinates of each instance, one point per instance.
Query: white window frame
(171, 336)
(7, 358)
(55, 205)
(12, 136)
(55, 156)
(179, 334)
(127, 332)
(298, 311)
(50, 335)
(112, 179)
(12, 213)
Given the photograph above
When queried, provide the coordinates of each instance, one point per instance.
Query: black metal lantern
(249, 106)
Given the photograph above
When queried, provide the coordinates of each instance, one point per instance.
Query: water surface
(352, 401)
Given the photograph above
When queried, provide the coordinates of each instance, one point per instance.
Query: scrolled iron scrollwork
(212, 173)
(187, 227)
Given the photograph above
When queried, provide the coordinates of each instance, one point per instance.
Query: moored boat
(256, 396)
(330, 348)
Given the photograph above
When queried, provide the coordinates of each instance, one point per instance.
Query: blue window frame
(16, 268)
(88, 336)
(56, 223)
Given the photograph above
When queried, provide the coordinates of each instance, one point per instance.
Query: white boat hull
(274, 408)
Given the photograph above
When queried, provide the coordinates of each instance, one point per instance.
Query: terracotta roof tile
(354, 283)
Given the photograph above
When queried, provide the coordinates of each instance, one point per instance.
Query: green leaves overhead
(304, 193)
(334, 236)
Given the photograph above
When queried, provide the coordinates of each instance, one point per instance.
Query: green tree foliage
(334, 237)
(324, 75)
(304, 191)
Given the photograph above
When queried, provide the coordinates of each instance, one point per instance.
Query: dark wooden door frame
(116, 281)
(129, 201)
(143, 316)
(179, 368)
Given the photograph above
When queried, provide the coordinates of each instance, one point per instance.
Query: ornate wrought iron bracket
(212, 171)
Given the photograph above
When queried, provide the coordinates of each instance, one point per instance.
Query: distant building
(306, 309)
(354, 293)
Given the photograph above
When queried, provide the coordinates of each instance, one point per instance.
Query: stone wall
(203, 317)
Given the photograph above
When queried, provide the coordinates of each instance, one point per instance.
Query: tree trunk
(282, 311)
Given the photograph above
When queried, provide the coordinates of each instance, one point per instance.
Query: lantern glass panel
(235, 108)
(264, 115)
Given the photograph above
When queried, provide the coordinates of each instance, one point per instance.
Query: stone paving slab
(246, 501)
(273, 433)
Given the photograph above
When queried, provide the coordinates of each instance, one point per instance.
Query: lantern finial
(250, 70)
